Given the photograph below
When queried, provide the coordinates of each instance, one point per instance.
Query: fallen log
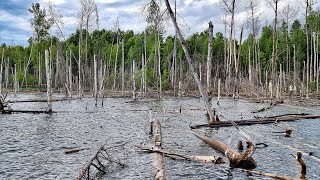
(265, 120)
(236, 160)
(159, 159)
(40, 100)
(10, 111)
(174, 155)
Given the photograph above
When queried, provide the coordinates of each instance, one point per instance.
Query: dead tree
(190, 62)
(209, 61)
(236, 160)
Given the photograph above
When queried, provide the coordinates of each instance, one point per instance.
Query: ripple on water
(32, 146)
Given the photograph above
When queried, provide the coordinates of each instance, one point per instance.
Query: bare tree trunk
(70, 74)
(95, 79)
(115, 62)
(79, 65)
(39, 70)
(48, 73)
(56, 79)
(209, 59)
(133, 80)
(175, 53)
(15, 85)
(294, 68)
(159, 66)
(122, 68)
(1, 70)
(190, 61)
(7, 72)
(145, 64)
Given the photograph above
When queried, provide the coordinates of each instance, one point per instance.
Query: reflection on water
(32, 146)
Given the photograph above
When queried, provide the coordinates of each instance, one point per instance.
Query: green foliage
(40, 23)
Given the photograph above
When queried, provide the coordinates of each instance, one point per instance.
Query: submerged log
(236, 160)
(265, 120)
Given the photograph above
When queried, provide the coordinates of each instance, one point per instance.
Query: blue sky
(194, 16)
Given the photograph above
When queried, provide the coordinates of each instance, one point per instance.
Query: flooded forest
(163, 103)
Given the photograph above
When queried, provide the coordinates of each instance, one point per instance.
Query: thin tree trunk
(115, 63)
(95, 79)
(79, 65)
(133, 80)
(122, 68)
(70, 74)
(1, 70)
(190, 61)
(48, 73)
(15, 85)
(159, 66)
(209, 58)
(7, 73)
(39, 70)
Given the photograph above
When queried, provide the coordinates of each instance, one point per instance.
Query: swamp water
(32, 145)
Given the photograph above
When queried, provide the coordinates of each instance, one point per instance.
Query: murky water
(32, 146)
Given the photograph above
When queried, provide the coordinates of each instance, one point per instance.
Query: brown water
(32, 146)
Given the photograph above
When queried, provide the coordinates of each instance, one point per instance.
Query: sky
(193, 16)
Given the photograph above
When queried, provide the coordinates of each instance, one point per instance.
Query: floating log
(236, 160)
(195, 158)
(159, 159)
(259, 120)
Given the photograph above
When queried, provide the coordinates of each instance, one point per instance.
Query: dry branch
(272, 104)
(236, 159)
(99, 161)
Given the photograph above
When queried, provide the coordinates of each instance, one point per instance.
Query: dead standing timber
(259, 120)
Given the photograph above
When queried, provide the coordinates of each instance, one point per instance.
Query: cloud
(193, 15)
